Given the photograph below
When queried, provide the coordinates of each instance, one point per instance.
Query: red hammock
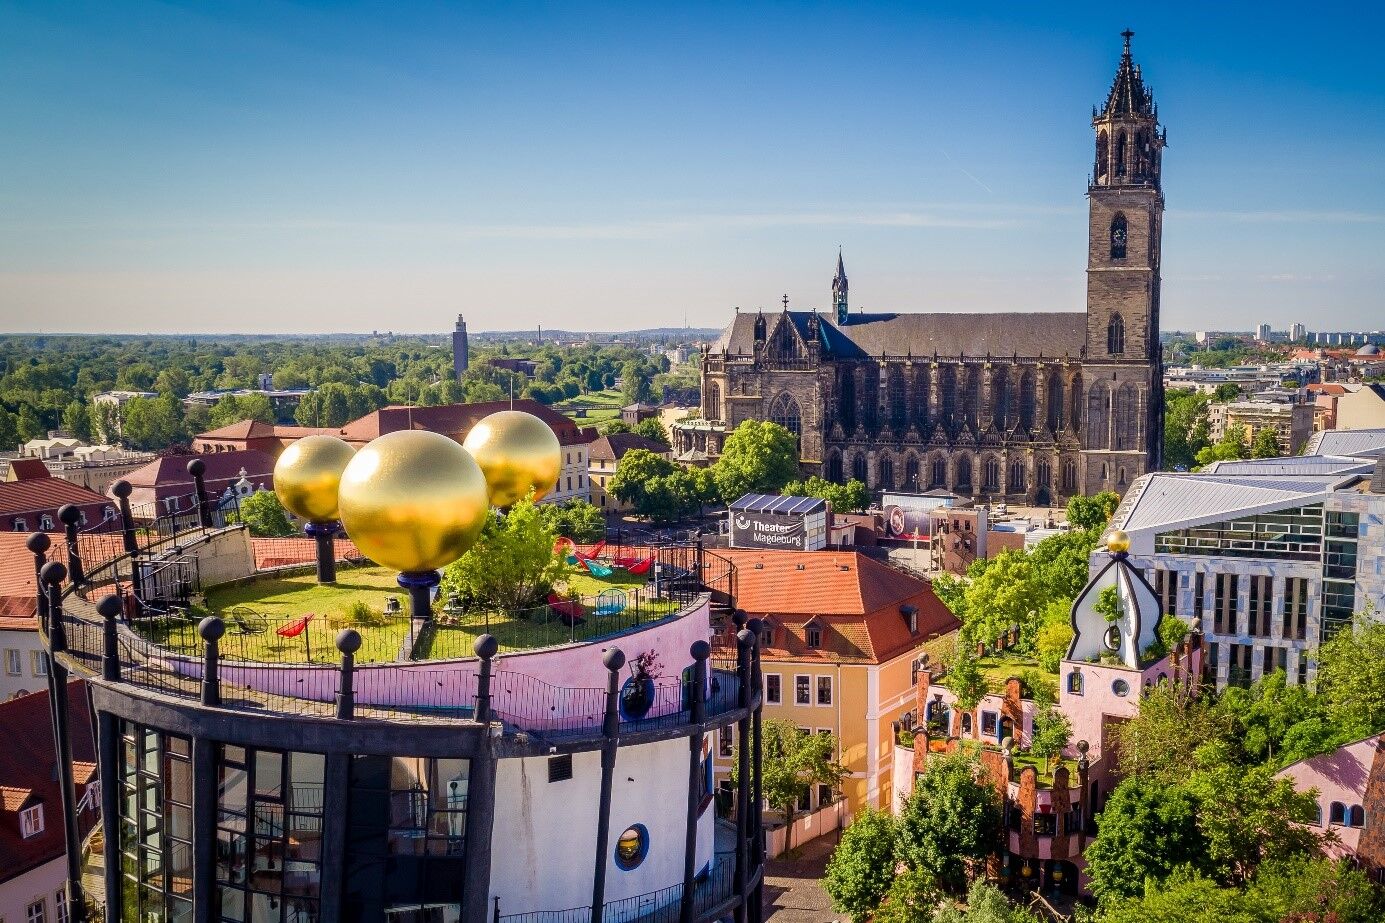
(639, 567)
(295, 628)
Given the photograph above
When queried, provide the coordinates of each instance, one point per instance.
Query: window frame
(31, 821)
(802, 689)
(824, 681)
(777, 696)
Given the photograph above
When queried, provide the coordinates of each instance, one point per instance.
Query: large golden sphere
(413, 500)
(1117, 541)
(518, 452)
(307, 475)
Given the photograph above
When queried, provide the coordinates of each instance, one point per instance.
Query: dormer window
(814, 636)
(45, 523)
(31, 821)
(911, 617)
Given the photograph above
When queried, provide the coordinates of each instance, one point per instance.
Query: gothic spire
(1129, 96)
(839, 290)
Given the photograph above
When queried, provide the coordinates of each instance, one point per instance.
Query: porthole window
(632, 847)
(1121, 688)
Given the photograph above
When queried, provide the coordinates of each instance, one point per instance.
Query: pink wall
(1338, 776)
(554, 681)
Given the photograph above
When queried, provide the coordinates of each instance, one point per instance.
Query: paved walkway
(793, 888)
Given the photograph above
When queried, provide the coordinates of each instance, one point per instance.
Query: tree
(985, 904)
(1226, 392)
(1232, 447)
(1093, 512)
(951, 820)
(1351, 675)
(77, 420)
(265, 516)
(653, 428)
(1005, 594)
(965, 679)
(758, 457)
(1265, 444)
(851, 497)
(792, 760)
(9, 431)
(1185, 897)
(1262, 716)
(1055, 634)
(512, 565)
(637, 478)
(913, 896)
(1052, 732)
(861, 869)
(1306, 889)
(634, 383)
(1158, 743)
(1147, 830)
(613, 426)
(30, 426)
(1186, 426)
(1246, 816)
(577, 519)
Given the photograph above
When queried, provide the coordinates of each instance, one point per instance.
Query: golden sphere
(413, 500)
(1117, 541)
(518, 452)
(307, 475)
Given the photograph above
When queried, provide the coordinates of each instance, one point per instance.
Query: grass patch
(1024, 759)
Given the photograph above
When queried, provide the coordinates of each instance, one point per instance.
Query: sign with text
(770, 530)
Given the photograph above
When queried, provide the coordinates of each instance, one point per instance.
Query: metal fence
(716, 887)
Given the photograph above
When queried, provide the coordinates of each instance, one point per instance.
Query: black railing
(715, 888)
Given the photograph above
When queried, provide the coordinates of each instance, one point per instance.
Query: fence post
(348, 642)
(324, 535)
(744, 640)
(211, 629)
(757, 827)
(52, 578)
(700, 651)
(198, 468)
(121, 490)
(109, 609)
(485, 647)
(614, 659)
(39, 543)
(71, 516)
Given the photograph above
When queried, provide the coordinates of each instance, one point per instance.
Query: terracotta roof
(28, 764)
(855, 600)
(1327, 388)
(41, 494)
(254, 429)
(614, 446)
(283, 552)
(18, 601)
(168, 476)
(28, 469)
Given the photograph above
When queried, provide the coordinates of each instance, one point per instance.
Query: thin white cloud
(1281, 216)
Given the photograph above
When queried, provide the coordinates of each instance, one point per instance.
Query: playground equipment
(594, 567)
(567, 548)
(610, 602)
(569, 610)
(247, 621)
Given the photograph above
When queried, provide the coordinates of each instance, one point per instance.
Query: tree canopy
(950, 822)
(512, 565)
(792, 760)
(851, 497)
(265, 516)
(757, 457)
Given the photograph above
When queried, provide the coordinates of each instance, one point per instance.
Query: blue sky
(191, 167)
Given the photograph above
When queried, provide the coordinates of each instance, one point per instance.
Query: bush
(361, 614)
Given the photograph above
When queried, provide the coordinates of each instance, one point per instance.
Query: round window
(632, 847)
(1121, 688)
(1112, 638)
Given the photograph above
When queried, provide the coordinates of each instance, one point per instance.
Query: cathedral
(1027, 408)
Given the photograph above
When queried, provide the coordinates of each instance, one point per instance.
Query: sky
(324, 167)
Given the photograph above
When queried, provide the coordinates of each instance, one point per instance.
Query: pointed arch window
(1069, 477)
(1103, 154)
(1000, 397)
(846, 403)
(963, 469)
(886, 473)
(1115, 335)
(713, 401)
(1098, 410)
(971, 396)
(1076, 396)
(1016, 482)
(921, 397)
(786, 344)
(858, 469)
(899, 408)
(785, 412)
(1119, 233)
(1127, 417)
(911, 473)
(1055, 401)
(1120, 153)
(947, 395)
(938, 474)
(1027, 399)
(834, 468)
(990, 475)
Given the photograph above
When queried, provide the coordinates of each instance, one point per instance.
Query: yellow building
(842, 638)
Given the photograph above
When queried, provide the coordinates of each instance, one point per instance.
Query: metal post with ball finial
(307, 480)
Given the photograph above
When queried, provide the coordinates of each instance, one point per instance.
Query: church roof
(1129, 95)
(1003, 334)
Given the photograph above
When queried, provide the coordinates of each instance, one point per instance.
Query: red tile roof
(454, 420)
(283, 552)
(855, 600)
(254, 429)
(614, 446)
(27, 469)
(18, 601)
(168, 476)
(28, 776)
(43, 494)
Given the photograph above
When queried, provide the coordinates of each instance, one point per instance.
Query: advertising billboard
(785, 523)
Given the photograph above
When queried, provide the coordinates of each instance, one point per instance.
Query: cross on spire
(1127, 35)
(786, 302)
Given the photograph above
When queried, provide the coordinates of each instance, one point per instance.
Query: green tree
(951, 820)
(634, 383)
(512, 565)
(1159, 742)
(758, 457)
(1147, 830)
(653, 428)
(1184, 897)
(1227, 392)
(1052, 732)
(265, 516)
(1005, 594)
(1055, 634)
(985, 904)
(1093, 512)
(1232, 447)
(77, 420)
(1351, 675)
(851, 497)
(1262, 716)
(9, 431)
(1265, 444)
(1305, 889)
(613, 426)
(641, 480)
(913, 896)
(861, 869)
(577, 519)
(965, 678)
(1186, 427)
(173, 381)
(792, 761)
(30, 426)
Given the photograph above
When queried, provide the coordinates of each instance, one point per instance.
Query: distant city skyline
(313, 168)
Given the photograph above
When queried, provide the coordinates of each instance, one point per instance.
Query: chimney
(1378, 476)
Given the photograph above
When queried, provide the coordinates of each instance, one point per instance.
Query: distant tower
(839, 291)
(459, 348)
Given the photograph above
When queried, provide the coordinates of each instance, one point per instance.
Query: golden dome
(307, 475)
(1117, 542)
(413, 500)
(518, 452)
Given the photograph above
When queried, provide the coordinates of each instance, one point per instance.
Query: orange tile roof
(284, 552)
(41, 494)
(855, 600)
(18, 593)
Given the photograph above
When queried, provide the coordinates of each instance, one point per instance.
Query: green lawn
(277, 601)
(599, 406)
(1024, 759)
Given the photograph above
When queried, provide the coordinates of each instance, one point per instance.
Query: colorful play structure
(610, 601)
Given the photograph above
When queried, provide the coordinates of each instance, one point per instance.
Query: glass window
(14, 662)
(802, 690)
(773, 692)
(632, 846)
(824, 690)
(31, 821)
(1121, 688)
(814, 636)
(1295, 534)
(37, 912)
(60, 905)
(988, 723)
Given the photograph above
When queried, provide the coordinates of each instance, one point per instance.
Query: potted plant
(637, 695)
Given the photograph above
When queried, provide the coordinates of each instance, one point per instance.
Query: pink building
(1351, 798)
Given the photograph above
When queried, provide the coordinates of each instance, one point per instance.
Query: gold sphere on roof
(518, 452)
(307, 475)
(413, 500)
(1117, 542)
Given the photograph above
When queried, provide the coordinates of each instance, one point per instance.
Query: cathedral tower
(1125, 223)
(839, 292)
